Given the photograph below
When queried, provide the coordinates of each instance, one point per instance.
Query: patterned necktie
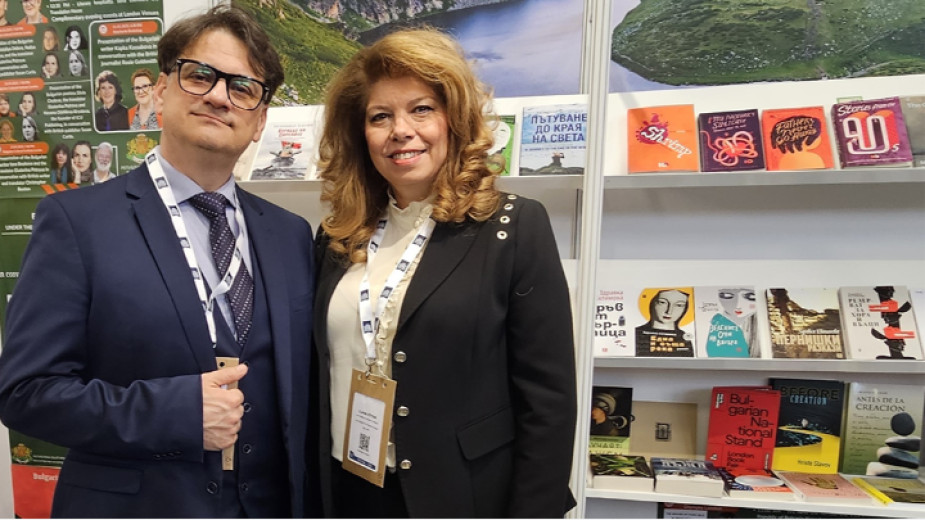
(241, 294)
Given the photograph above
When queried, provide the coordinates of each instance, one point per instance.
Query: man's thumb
(227, 375)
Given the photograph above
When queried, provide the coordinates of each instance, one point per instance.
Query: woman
(6, 132)
(28, 106)
(5, 106)
(82, 162)
(74, 39)
(50, 41)
(76, 64)
(50, 66)
(476, 331)
(112, 114)
(60, 165)
(662, 335)
(143, 116)
(30, 130)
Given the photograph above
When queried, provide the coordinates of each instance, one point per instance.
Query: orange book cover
(662, 139)
(796, 139)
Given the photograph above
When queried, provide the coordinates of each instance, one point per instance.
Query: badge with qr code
(369, 421)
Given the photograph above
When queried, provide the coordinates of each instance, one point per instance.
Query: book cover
(871, 132)
(878, 323)
(913, 108)
(725, 319)
(809, 424)
(742, 426)
(662, 139)
(796, 139)
(805, 323)
(892, 491)
(288, 146)
(611, 419)
(687, 477)
(499, 155)
(760, 484)
(623, 472)
(882, 431)
(831, 487)
(553, 139)
(730, 141)
(668, 329)
(614, 313)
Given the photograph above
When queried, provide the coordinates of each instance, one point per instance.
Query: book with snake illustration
(730, 141)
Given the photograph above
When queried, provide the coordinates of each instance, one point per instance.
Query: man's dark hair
(262, 57)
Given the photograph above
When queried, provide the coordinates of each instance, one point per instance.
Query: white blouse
(348, 350)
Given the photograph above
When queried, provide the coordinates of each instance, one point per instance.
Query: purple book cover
(731, 141)
(871, 132)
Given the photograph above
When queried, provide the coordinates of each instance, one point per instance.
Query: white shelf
(875, 509)
(765, 178)
(765, 365)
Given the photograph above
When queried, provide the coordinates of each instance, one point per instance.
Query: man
(33, 10)
(81, 163)
(122, 370)
(4, 4)
(103, 160)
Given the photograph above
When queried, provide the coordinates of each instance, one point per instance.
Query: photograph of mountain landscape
(520, 47)
(533, 47)
(660, 44)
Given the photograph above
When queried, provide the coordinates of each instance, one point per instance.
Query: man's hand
(222, 408)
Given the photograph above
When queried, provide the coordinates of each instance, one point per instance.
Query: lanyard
(176, 218)
(369, 324)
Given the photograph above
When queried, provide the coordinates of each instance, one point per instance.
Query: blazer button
(403, 411)
(246, 449)
(400, 356)
(405, 464)
(212, 488)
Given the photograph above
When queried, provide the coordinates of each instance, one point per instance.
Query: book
(730, 141)
(725, 319)
(668, 326)
(796, 139)
(809, 424)
(687, 477)
(760, 484)
(613, 314)
(553, 139)
(623, 472)
(824, 487)
(688, 511)
(882, 432)
(611, 419)
(288, 146)
(871, 132)
(742, 426)
(805, 323)
(892, 491)
(662, 139)
(878, 323)
(499, 155)
(913, 108)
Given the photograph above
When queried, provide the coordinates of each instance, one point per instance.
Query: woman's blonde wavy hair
(355, 192)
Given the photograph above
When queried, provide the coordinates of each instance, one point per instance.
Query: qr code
(364, 442)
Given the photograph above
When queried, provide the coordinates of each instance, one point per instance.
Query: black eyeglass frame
(219, 74)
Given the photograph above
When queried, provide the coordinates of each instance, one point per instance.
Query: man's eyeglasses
(199, 79)
(141, 88)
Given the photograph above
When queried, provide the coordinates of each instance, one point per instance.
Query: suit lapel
(264, 239)
(445, 250)
(164, 246)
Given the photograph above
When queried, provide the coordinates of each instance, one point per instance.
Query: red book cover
(742, 426)
(871, 133)
(796, 139)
